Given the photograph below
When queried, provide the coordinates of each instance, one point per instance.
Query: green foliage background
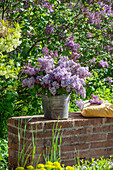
(33, 19)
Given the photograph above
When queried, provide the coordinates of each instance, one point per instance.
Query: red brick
(109, 120)
(13, 163)
(68, 140)
(47, 134)
(39, 142)
(37, 159)
(22, 120)
(47, 142)
(109, 151)
(29, 134)
(13, 153)
(68, 155)
(103, 144)
(13, 146)
(65, 148)
(29, 149)
(13, 137)
(81, 146)
(104, 128)
(34, 125)
(110, 136)
(91, 153)
(69, 132)
(11, 121)
(82, 130)
(39, 134)
(40, 158)
(15, 121)
(88, 121)
(92, 137)
(22, 141)
(61, 123)
(12, 129)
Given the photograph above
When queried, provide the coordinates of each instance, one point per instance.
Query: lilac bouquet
(56, 75)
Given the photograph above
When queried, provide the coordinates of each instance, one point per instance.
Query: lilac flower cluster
(46, 4)
(75, 56)
(60, 31)
(95, 100)
(96, 18)
(49, 29)
(79, 104)
(71, 45)
(52, 54)
(108, 79)
(65, 75)
(103, 64)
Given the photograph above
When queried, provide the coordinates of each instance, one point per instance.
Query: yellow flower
(19, 168)
(70, 168)
(42, 169)
(56, 164)
(30, 167)
(48, 167)
(40, 166)
(49, 163)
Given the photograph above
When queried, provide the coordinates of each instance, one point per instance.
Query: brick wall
(86, 137)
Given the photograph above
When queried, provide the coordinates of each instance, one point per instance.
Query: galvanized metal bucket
(56, 107)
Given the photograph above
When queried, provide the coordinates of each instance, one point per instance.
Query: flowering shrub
(9, 40)
(54, 76)
(9, 36)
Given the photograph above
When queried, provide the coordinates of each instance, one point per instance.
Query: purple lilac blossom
(83, 72)
(45, 63)
(93, 60)
(49, 29)
(30, 70)
(45, 51)
(79, 104)
(24, 83)
(95, 100)
(65, 74)
(108, 79)
(31, 82)
(75, 56)
(47, 5)
(103, 64)
(56, 54)
(96, 18)
(71, 45)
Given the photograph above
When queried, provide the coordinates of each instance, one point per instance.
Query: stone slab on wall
(84, 137)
